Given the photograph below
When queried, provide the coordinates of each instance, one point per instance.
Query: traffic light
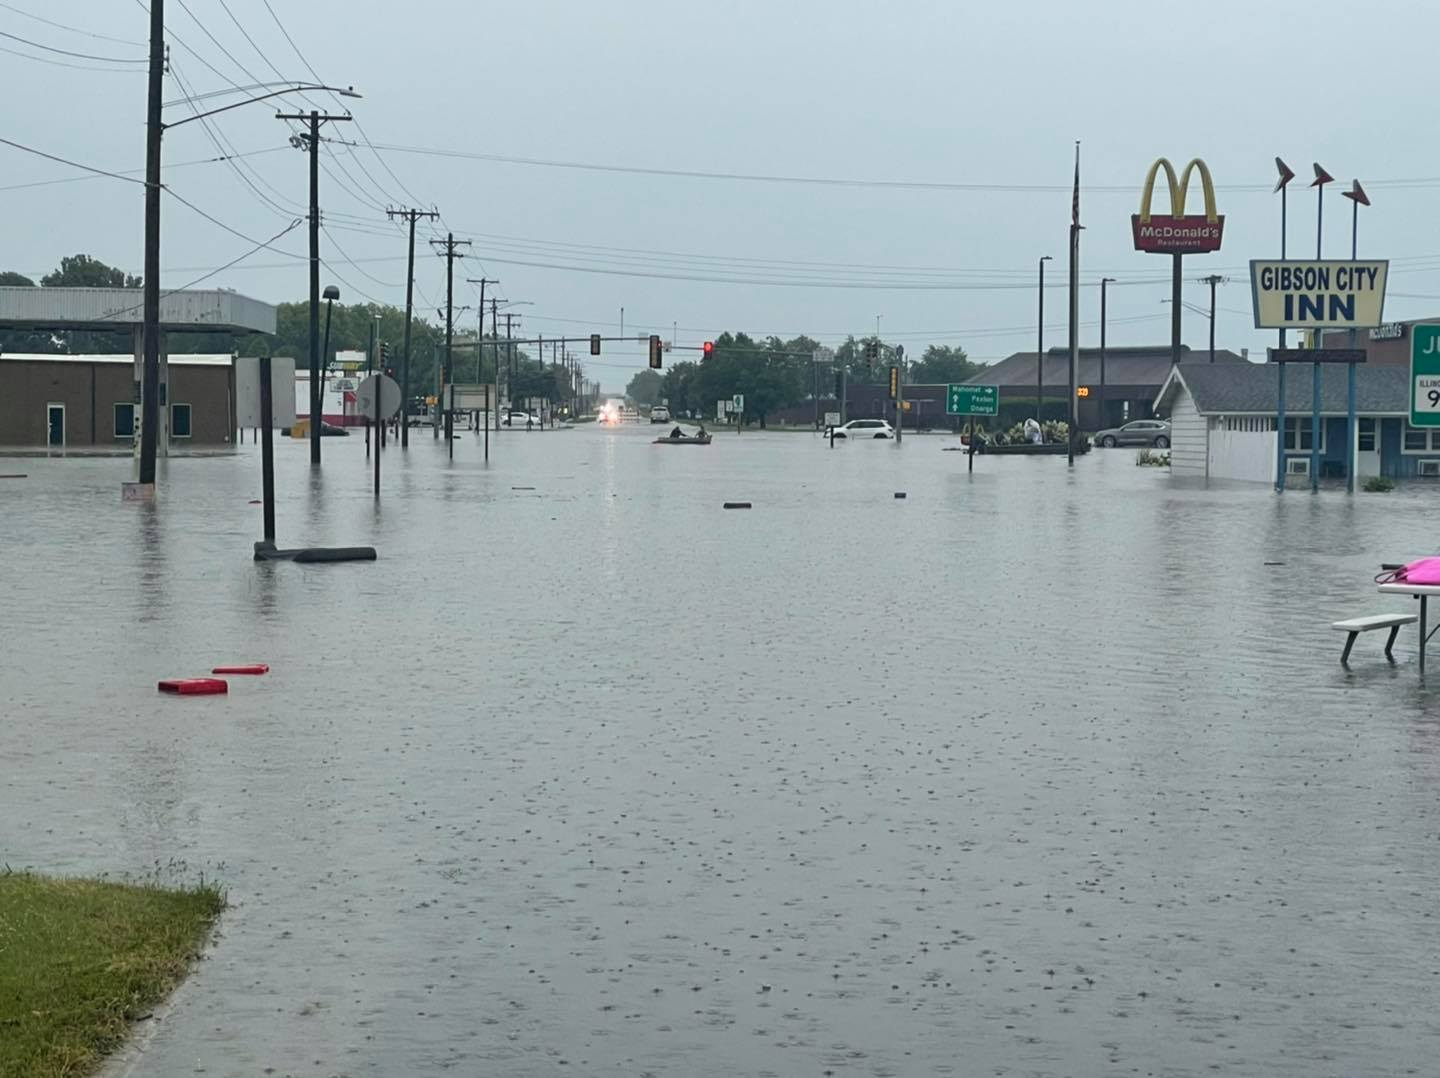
(707, 350)
(655, 351)
(384, 353)
(839, 384)
(594, 344)
(894, 382)
(872, 352)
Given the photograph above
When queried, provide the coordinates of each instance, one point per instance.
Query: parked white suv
(865, 428)
(659, 414)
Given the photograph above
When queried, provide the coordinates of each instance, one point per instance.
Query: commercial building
(1385, 345)
(89, 402)
(78, 401)
(1223, 422)
(1132, 378)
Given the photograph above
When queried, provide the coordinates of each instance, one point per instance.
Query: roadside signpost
(1315, 295)
(378, 397)
(738, 407)
(1425, 376)
(971, 401)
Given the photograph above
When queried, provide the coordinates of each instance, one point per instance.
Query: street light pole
(1040, 345)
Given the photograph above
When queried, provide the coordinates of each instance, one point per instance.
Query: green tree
(679, 386)
(942, 364)
(645, 388)
(82, 271)
(11, 279)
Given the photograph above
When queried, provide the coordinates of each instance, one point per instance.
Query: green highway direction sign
(1425, 376)
(985, 400)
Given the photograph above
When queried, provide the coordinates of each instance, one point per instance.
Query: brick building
(69, 402)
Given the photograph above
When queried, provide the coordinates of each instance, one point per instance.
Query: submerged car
(1154, 432)
(865, 428)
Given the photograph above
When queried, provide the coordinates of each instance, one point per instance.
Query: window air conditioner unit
(1297, 465)
(1428, 467)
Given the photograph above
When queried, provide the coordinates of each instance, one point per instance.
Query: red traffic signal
(655, 352)
(707, 349)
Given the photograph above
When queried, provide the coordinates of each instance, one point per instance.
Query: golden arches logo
(1177, 232)
(1179, 188)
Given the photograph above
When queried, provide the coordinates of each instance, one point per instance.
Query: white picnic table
(1423, 592)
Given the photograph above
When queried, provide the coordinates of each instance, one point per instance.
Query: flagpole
(1074, 311)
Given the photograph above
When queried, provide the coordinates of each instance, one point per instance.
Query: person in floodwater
(677, 433)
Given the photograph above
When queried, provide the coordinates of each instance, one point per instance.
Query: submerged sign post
(972, 401)
(1425, 376)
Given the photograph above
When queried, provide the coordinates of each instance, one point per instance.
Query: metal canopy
(123, 308)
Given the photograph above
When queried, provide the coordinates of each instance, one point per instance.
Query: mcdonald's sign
(1177, 233)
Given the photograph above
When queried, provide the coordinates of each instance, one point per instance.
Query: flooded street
(1030, 773)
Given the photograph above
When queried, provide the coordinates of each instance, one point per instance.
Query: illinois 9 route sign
(1425, 376)
(972, 400)
(1333, 293)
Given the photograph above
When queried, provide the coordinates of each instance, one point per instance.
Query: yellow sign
(1176, 232)
(1082, 391)
(1334, 293)
(1179, 188)
(430, 400)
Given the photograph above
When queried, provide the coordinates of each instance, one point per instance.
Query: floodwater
(1030, 773)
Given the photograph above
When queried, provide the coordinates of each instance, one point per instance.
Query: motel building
(1223, 422)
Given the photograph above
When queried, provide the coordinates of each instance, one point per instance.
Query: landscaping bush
(1379, 484)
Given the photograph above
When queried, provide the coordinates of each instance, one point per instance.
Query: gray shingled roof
(1123, 367)
(1254, 387)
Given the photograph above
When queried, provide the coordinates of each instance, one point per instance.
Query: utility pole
(1212, 281)
(448, 247)
(1040, 346)
(1104, 420)
(509, 357)
(310, 142)
(150, 346)
(479, 341)
(495, 350)
(411, 216)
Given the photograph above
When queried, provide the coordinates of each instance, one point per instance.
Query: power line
(77, 55)
(71, 29)
(72, 164)
(128, 173)
(73, 67)
(833, 181)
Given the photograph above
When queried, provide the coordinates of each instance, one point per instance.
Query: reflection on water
(1028, 773)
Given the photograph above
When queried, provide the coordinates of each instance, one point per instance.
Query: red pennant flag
(1286, 174)
(1357, 194)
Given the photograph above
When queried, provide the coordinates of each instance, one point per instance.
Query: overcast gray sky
(944, 93)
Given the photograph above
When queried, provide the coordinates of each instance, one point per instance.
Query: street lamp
(150, 319)
(1104, 418)
(1040, 344)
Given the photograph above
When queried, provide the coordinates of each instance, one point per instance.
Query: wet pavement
(1031, 773)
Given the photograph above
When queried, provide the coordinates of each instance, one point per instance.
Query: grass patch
(82, 959)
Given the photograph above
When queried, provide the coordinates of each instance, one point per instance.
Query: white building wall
(1243, 447)
(1187, 438)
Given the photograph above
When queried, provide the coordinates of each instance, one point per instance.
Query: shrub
(1379, 484)
(1148, 458)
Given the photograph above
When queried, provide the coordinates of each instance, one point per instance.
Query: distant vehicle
(1154, 432)
(865, 428)
(520, 419)
(659, 414)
